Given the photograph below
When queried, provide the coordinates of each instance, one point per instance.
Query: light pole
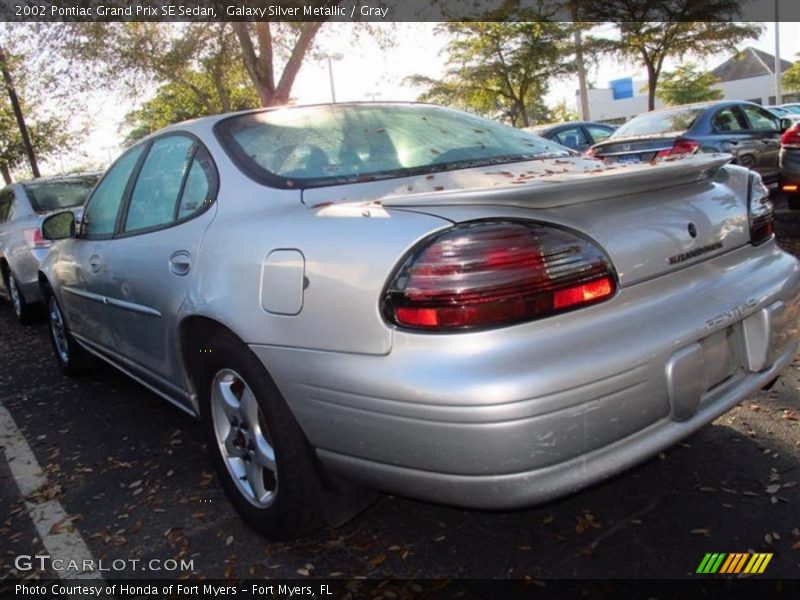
(331, 58)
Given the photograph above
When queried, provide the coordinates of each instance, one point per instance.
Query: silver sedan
(411, 299)
(23, 207)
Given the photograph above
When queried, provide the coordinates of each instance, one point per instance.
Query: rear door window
(159, 183)
(729, 119)
(599, 134)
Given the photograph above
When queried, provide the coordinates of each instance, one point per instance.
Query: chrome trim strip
(633, 151)
(84, 294)
(137, 308)
(131, 306)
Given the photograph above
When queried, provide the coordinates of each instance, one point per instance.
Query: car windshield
(793, 109)
(662, 121)
(55, 195)
(323, 145)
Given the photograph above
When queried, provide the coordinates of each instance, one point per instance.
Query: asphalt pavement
(134, 481)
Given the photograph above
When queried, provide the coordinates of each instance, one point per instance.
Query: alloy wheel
(16, 298)
(59, 331)
(243, 438)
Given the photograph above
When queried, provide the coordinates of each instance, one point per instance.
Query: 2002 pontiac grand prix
(406, 298)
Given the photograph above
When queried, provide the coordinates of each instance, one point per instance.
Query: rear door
(154, 254)
(573, 137)
(764, 128)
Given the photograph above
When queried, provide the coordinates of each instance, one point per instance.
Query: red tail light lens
(35, 239)
(680, 147)
(791, 137)
(492, 273)
(760, 211)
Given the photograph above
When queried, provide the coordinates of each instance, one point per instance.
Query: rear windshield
(662, 121)
(323, 145)
(55, 195)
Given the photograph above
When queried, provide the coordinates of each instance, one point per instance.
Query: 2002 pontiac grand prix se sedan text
(407, 298)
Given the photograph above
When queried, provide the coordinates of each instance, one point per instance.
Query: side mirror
(59, 226)
(786, 124)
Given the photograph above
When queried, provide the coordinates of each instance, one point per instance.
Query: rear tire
(264, 462)
(24, 311)
(73, 359)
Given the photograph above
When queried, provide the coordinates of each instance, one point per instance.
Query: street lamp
(332, 57)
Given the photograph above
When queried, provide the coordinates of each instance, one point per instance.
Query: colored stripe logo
(734, 563)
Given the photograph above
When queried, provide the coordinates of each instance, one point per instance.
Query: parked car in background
(793, 108)
(576, 135)
(789, 180)
(23, 207)
(783, 113)
(746, 130)
(412, 299)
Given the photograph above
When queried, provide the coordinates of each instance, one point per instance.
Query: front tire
(73, 359)
(261, 455)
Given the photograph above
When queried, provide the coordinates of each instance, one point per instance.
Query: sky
(365, 69)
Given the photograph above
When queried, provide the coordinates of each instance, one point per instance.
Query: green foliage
(686, 85)
(791, 78)
(651, 31)
(501, 70)
(174, 102)
(562, 113)
(50, 134)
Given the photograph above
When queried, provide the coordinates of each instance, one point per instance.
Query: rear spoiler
(562, 189)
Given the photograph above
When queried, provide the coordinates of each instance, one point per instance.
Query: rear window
(312, 146)
(662, 121)
(55, 195)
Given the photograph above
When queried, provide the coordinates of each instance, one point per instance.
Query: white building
(748, 75)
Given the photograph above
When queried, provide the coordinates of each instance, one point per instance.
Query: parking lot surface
(135, 483)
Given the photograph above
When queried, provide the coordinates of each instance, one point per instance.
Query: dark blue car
(746, 130)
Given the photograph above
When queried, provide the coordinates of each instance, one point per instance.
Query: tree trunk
(652, 81)
(582, 87)
(23, 129)
(6, 173)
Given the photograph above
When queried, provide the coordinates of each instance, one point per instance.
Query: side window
(760, 119)
(100, 216)
(6, 200)
(571, 138)
(599, 134)
(728, 119)
(200, 187)
(158, 186)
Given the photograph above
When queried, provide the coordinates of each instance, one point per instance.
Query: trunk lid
(649, 219)
(634, 150)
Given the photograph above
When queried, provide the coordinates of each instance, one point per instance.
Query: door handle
(180, 263)
(95, 263)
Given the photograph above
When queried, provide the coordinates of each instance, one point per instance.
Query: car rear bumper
(25, 265)
(790, 166)
(519, 415)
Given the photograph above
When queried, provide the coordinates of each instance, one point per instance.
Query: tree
(562, 113)
(501, 70)
(174, 102)
(685, 85)
(43, 135)
(653, 30)
(791, 78)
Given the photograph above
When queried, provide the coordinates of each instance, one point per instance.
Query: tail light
(680, 147)
(492, 273)
(35, 239)
(760, 210)
(791, 137)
